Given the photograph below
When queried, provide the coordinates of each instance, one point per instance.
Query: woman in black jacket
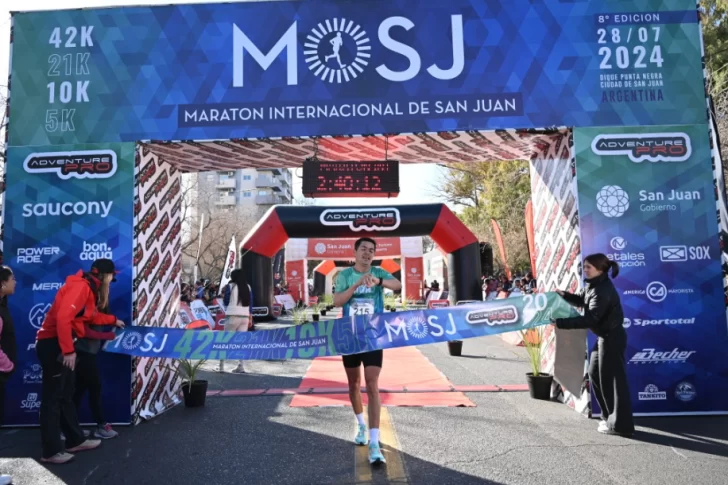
(603, 315)
(8, 346)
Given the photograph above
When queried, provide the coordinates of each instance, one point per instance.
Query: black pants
(57, 409)
(88, 379)
(2, 400)
(608, 375)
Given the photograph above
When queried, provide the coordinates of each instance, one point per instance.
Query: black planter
(315, 317)
(195, 394)
(540, 386)
(455, 347)
(393, 309)
(323, 313)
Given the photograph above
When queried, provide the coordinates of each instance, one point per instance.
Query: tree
(714, 16)
(219, 224)
(493, 190)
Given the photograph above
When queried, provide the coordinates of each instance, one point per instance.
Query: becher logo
(337, 50)
(91, 164)
(495, 316)
(37, 314)
(373, 219)
(652, 147)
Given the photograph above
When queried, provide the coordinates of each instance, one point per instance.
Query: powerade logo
(652, 147)
(496, 316)
(338, 50)
(31, 403)
(375, 219)
(35, 255)
(93, 164)
(625, 259)
(57, 209)
(651, 356)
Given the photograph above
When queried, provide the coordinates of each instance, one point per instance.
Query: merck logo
(339, 50)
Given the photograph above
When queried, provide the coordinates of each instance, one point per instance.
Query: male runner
(360, 291)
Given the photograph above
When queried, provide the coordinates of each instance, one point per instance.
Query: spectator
(8, 345)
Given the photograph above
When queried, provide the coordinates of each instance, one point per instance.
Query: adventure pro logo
(338, 50)
(653, 147)
(92, 164)
(374, 219)
(496, 316)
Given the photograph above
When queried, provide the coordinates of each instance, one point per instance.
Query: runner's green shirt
(365, 301)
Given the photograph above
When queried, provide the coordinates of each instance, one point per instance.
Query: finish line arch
(282, 223)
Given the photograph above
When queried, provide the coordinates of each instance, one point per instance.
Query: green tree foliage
(714, 16)
(493, 190)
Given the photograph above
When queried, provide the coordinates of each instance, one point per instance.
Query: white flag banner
(229, 264)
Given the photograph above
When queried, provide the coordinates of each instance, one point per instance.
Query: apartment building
(248, 187)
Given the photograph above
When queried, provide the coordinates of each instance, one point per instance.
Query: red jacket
(62, 320)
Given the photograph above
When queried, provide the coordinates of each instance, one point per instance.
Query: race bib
(361, 307)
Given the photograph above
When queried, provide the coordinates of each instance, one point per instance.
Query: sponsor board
(640, 147)
(92, 164)
(652, 356)
(652, 393)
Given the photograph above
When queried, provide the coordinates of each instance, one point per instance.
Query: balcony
(276, 171)
(268, 200)
(226, 200)
(225, 184)
(268, 182)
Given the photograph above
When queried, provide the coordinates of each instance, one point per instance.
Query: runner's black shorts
(369, 359)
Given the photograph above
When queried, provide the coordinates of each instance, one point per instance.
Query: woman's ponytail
(615, 268)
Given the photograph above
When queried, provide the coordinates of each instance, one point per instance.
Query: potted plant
(323, 308)
(299, 315)
(315, 312)
(539, 383)
(193, 389)
(390, 303)
(328, 302)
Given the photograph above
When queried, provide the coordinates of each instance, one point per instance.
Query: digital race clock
(350, 179)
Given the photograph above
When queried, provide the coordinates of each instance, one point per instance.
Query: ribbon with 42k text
(349, 335)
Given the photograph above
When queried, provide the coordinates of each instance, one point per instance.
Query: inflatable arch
(282, 223)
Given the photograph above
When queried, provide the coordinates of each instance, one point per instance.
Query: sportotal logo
(338, 50)
(373, 219)
(653, 322)
(657, 291)
(624, 258)
(91, 164)
(651, 147)
(612, 201)
(651, 356)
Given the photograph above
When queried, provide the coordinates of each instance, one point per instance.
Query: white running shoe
(58, 458)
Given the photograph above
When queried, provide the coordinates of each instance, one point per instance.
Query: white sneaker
(85, 446)
(6, 480)
(602, 426)
(239, 369)
(58, 458)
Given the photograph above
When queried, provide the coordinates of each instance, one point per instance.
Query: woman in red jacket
(73, 310)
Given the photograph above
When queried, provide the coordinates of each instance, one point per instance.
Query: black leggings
(57, 411)
(88, 379)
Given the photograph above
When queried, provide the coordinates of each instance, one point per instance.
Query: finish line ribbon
(349, 335)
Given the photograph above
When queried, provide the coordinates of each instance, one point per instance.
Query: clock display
(351, 179)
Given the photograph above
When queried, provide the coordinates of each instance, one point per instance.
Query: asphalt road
(507, 439)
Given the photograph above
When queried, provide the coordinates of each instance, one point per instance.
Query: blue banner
(321, 68)
(647, 201)
(344, 336)
(64, 208)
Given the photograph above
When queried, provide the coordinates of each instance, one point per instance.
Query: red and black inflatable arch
(281, 223)
(321, 271)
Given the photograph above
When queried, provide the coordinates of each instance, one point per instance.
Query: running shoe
(361, 435)
(105, 432)
(58, 458)
(86, 445)
(602, 426)
(375, 454)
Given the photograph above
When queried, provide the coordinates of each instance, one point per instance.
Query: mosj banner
(64, 208)
(647, 201)
(216, 71)
(350, 335)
